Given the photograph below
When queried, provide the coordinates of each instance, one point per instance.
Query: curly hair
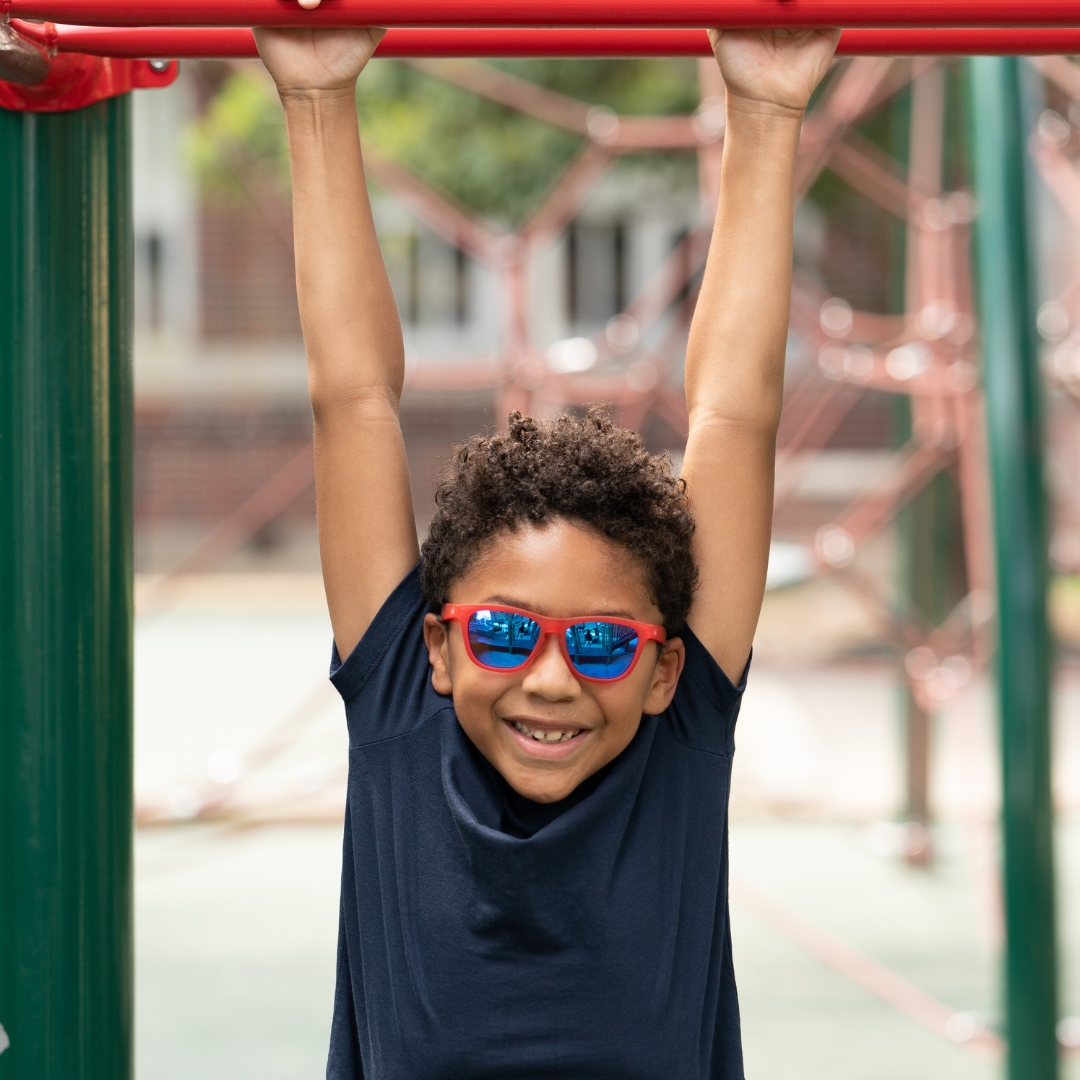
(581, 469)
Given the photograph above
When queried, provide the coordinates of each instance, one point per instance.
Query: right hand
(774, 67)
(303, 60)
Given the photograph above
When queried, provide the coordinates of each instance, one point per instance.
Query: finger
(310, 5)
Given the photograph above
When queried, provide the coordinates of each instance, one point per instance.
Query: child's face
(560, 570)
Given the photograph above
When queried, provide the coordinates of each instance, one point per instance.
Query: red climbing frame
(194, 42)
(554, 13)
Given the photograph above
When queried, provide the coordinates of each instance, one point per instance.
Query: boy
(541, 712)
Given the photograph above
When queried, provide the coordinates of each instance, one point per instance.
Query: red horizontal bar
(193, 42)
(553, 13)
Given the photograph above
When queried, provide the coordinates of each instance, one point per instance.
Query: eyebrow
(510, 601)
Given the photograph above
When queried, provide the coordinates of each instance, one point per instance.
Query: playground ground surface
(237, 915)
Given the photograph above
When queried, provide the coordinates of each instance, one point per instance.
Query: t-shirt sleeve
(385, 681)
(706, 704)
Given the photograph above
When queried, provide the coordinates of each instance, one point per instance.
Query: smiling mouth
(545, 736)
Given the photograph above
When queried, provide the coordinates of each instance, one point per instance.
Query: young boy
(541, 712)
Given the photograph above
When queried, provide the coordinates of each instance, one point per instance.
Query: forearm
(352, 333)
(735, 354)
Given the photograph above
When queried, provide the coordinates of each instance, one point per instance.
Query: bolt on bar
(226, 42)
(553, 13)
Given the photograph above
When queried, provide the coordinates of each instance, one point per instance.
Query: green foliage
(649, 87)
(243, 122)
(493, 159)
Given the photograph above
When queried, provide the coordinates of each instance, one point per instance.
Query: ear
(665, 677)
(437, 640)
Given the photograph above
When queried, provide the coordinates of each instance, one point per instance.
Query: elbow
(351, 374)
(370, 402)
(736, 390)
(760, 422)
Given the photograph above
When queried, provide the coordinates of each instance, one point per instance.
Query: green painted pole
(65, 595)
(1011, 385)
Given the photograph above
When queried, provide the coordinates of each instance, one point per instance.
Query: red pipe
(554, 13)
(191, 42)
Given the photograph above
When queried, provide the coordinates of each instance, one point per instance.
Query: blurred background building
(543, 224)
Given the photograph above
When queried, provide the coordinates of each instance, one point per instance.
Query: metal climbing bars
(406, 42)
(66, 436)
(554, 13)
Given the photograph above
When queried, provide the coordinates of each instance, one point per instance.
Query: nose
(549, 676)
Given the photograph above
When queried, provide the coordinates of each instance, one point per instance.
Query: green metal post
(65, 595)
(1011, 383)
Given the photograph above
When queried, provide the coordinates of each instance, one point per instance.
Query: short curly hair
(582, 469)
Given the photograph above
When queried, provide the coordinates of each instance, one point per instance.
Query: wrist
(308, 96)
(760, 112)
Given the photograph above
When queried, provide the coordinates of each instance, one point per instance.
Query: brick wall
(247, 281)
(197, 464)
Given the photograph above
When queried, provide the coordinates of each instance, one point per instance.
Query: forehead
(559, 569)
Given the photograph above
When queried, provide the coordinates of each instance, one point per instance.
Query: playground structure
(220, 42)
(67, 404)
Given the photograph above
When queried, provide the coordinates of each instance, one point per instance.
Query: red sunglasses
(507, 639)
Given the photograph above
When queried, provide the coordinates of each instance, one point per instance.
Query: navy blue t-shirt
(486, 937)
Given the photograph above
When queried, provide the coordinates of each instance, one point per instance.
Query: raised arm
(735, 354)
(352, 334)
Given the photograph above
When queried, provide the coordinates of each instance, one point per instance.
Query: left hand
(315, 60)
(774, 67)
(304, 61)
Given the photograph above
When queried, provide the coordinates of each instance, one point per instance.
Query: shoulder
(703, 712)
(385, 681)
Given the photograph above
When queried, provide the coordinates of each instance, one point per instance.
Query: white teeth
(541, 736)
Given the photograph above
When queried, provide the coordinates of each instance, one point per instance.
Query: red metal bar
(524, 13)
(193, 42)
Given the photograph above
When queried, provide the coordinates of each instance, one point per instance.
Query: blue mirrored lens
(502, 639)
(601, 650)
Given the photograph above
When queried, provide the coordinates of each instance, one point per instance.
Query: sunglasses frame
(461, 613)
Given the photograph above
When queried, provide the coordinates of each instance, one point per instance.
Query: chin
(547, 788)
